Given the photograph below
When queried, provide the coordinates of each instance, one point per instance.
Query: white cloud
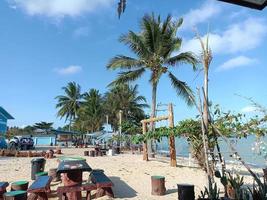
(59, 8)
(240, 61)
(73, 69)
(237, 38)
(249, 109)
(209, 9)
(82, 31)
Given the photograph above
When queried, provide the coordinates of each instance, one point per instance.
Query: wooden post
(145, 153)
(265, 174)
(172, 138)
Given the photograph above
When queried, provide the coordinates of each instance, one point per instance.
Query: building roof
(5, 114)
(62, 132)
(256, 4)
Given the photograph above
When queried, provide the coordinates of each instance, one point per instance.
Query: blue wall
(3, 124)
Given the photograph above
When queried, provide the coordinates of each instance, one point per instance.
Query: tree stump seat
(58, 151)
(3, 186)
(104, 151)
(88, 187)
(38, 174)
(40, 188)
(186, 192)
(16, 195)
(19, 185)
(103, 183)
(158, 185)
(92, 153)
(49, 154)
(86, 153)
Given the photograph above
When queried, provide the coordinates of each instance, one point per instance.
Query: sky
(44, 44)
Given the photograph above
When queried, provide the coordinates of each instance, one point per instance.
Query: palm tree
(90, 115)
(124, 98)
(156, 48)
(45, 126)
(70, 102)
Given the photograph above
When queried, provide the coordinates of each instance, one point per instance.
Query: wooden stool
(58, 151)
(186, 192)
(158, 185)
(40, 174)
(53, 173)
(19, 185)
(86, 153)
(16, 195)
(3, 186)
(92, 153)
(98, 153)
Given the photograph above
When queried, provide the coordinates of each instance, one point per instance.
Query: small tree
(45, 126)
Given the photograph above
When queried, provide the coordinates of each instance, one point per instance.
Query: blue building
(4, 116)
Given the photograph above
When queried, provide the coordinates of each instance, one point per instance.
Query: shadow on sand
(171, 191)
(122, 189)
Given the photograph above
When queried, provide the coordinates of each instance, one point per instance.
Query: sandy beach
(130, 174)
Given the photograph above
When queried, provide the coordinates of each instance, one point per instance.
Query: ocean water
(248, 148)
(251, 150)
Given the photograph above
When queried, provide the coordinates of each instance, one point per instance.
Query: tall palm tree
(90, 115)
(69, 103)
(125, 98)
(156, 48)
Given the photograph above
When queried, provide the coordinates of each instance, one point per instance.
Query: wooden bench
(3, 186)
(16, 195)
(102, 182)
(40, 188)
(88, 187)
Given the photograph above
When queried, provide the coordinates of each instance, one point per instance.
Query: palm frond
(127, 76)
(182, 89)
(184, 58)
(136, 43)
(124, 62)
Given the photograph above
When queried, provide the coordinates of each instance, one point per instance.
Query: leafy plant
(233, 186)
(259, 191)
(212, 192)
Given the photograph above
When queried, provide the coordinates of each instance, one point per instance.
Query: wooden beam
(155, 119)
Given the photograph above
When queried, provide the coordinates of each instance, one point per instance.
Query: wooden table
(71, 175)
(40, 188)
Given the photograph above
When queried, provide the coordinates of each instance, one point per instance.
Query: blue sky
(44, 44)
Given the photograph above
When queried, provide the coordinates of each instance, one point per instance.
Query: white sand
(130, 174)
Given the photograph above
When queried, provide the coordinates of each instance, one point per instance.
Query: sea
(252, 150)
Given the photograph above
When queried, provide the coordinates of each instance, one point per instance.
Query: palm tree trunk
(206, 120)
(153, 114)
(172, 138)
(70, 124)
(206, 101)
